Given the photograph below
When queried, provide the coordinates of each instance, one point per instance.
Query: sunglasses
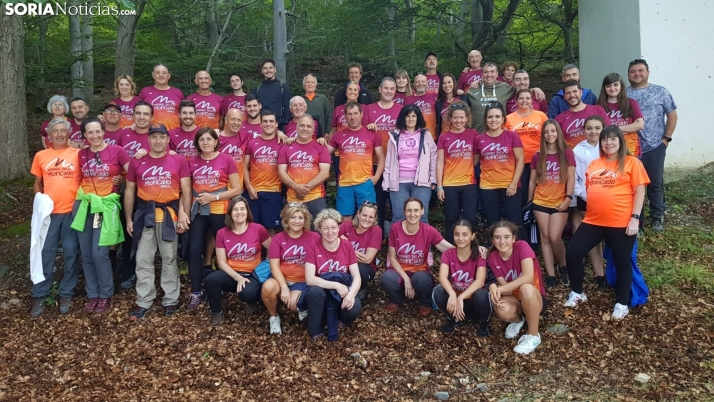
(97, 158)
(296, 204)
(369, 204)
(494, 105)
(458, 106)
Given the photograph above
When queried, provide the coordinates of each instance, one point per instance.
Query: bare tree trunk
(280, 38)
(88, 58)
(211, 22)
(476, 18)
(14, 153)
(391, 12)
(411, 29)
(126, 41)
(40, 98)
(570, 11)
(75, 48)
(219, 41)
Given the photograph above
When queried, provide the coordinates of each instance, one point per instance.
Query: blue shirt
(655, 102)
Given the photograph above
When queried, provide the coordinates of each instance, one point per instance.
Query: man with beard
(251, 125)
(181, 138)
(136, 140)
(572, 121)
(163, 98)
(559, 103)
(426, 101)
(80, 111)
(274, 94)
(235, 99)
(208, 104)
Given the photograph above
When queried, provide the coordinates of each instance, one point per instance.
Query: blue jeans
(59, 230)
(653, 162)
(407, 190)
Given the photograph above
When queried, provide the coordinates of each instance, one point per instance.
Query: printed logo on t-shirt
(59, 167)
(461, 280)
(234, 151)
(241, 252)
(409, 255)
(266, 154)
(329, 266)
(460, 148)
(353, 145)
(424, 106)
(93, 169)
(603, 177)
(132, 147)
(552, 169)
(385, 123)
(494, 151)
(156, 176)
(294, 255)
(575, 128)
(356, 246)
(301, 159)
(206, 175)
(204, 108)
(162, 102)
(185, 147)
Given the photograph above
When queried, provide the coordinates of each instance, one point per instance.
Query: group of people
(204, 175)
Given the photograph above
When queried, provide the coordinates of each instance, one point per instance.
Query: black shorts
(549, 211)
(582, 205)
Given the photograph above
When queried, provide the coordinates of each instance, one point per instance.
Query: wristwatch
(668, 139)
(636, 216)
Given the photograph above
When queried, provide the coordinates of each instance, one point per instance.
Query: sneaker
(318, 337)
(425, 310)
(564, 278)
(621, 311)
(514, 328)
(138, 313)
(574, 299)
(527, 344)
(451, 326)
(194, 300)
(657, 225)
(302, 315)
(216, 318)
(170, 310)
(601, 283)
(275, 325)
(341, 325)
(551, 281)
(90, 305)
(103, 304)
(65, 304)
(129, 283)
(38, 306)
(482, 331)
(392, 307)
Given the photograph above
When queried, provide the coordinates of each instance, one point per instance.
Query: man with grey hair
(298, 108)
(558, 104)
(317, 105)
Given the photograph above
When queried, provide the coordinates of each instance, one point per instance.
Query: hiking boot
(564, 278)
(129, 283)
(574, 299)
(216, 318)
(138, 313)
(621, 311)
(451, 326)
(275, 325)
(392, 307)
(551, 282)
(318, 337)
(90, 305)
(527, 344)
(514, 328)
(103, 304)
(65, 304)
(170, 310)
(657, 225)
(302, 315)
(482, 331)
(194, 300)
(38, 306)
(601, 283)
(425, 310)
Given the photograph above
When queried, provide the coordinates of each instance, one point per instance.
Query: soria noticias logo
(41, 8)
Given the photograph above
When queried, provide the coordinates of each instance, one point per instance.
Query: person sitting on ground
(366, 238)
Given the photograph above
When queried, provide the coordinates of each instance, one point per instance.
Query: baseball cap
(158, 128)
(430, 54)
(112, 104)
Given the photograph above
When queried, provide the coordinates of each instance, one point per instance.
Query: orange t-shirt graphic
(264, 164)
(551, 193)
(498, 160)
(356, 148)
(458, 157)
(166, 104)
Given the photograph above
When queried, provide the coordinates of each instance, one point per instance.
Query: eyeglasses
(494, 105)
(296, 204)
(112, 111)
(457, 106)
(97, 158)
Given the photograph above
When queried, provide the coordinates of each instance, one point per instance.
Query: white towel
(41, 209)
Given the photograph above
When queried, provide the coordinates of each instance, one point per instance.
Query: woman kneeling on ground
(366, 238)
(518, 294)
(461, 293)
(287, 263)
(332, 274)
(409, 275)
(238, 252)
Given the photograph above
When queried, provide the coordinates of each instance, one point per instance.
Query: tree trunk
(280, 38)
(126, 41)
(220, 37)
(391, 12)
(568, 37)
(14, 153)
(411, 29)
(75, 49)
(40, 98)
(476, 19)
(88, 58)
(211, 22)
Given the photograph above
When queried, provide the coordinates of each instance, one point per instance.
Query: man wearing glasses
(660, 113)
(112, 118)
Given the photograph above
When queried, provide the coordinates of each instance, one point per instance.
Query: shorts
(349, 197)
(546, 210)
(266, 209)
(545, 301)
(582, 205)
(297, 286)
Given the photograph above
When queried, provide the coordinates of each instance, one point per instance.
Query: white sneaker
(574, 299)
(514, 328)
(275, 325)
(302, 314)
(527, 344)
(621, 311)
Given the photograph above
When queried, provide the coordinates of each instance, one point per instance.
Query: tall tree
(75, 49)
(13, 133)
(126, 41)
(280, 38)
(562, 14)
(88, 59)
(485, 29)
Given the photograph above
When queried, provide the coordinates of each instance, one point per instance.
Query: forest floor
(90, 357)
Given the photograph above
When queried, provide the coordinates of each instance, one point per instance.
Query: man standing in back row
(559, 103)
(274, 94)
(354, 74)
(163, 98)
(207, 103)
(660, 113)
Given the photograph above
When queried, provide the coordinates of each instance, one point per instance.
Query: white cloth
(41, 209)
(584, 154)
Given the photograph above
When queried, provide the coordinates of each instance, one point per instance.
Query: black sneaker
(657, 225)
(138, 313)
(216, 318)
(129, 283)
(551, 281)
(170, 310)
(601, 283)
(482, 331)
(564, 279)
(450, 326)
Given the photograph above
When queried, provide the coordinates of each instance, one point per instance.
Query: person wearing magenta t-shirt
(471, 77)
(298, 108)
(125, 89)
(433, 77)
(404, 87)
(332, 274)
(251, 124)
(287, 263)
(623, 112)
(366, 238)
(518, 294)
(235, 99)
(136, 141)
(80, 111)
(572, 120)
(239, 247)
(182, 138)
(208, 104)
(409, 244)
(112, 117)
(460, 293)
(163, 98)
(426, 102)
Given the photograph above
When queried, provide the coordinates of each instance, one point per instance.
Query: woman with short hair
(57, 106)
(125, 90)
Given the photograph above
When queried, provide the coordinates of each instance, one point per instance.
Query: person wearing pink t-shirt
(58, 106)
(208, 104)
(518, 294)
(235, 99)
(182, 138)
(623, 112)
(112, 129)
(366, 238)
(426, 101)
(433, 78)
(471, 77)
(572, 121)
(409, 244)
(404, 87)
(298, 108)
(332, 274)
(163, 98)
(135, 141)
(125, 89)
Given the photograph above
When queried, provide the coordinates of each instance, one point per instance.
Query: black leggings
(196, 241)
(381, 198)
(455, 199)
(316, 300)
(219, 282)
(492, 201)
(366, 273)
(477, 308)
(588, 236)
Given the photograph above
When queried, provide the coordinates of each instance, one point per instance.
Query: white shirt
(584, 154)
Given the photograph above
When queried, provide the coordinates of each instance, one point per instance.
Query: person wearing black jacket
(274, 94)
(355, 75)
(447, 96)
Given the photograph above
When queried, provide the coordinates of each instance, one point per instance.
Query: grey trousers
(98, 276)
(59, 230)
(146, 272)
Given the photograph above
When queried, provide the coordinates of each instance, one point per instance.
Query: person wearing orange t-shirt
(550, 188)
(239, 247)
(426, 101)
(160, 186)
(208, 104)
(57, 175)
(616, 191)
